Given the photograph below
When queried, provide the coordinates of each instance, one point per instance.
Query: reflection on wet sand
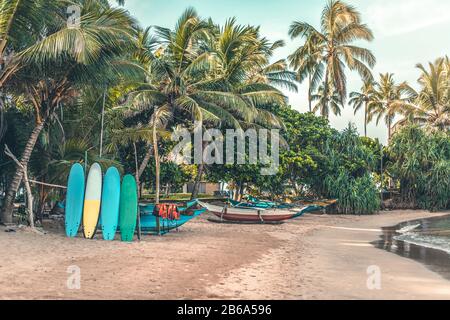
(433, 258)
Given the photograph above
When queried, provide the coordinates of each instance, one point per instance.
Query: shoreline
(336, 262)
(313, 257)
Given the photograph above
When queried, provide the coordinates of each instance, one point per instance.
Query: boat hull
(149, 222)
(252, 215)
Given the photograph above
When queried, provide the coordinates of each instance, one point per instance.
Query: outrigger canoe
(314, 205)
(148, 219)
(252, 214)
(261, 205)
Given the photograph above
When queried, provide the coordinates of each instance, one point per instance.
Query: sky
(406, 32)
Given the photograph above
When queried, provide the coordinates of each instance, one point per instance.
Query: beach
(313, 257)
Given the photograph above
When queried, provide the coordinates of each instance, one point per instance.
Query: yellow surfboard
(92, 200)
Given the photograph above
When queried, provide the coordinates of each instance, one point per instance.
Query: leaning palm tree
(308, 63)
(363, 98)
(48, 73)
(388, 100)
(327, 100)
(340, 26)
(432, 105)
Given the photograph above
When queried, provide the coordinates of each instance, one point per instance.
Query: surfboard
(128, 208)
(92, 198)
(74, 200)
(109, 215)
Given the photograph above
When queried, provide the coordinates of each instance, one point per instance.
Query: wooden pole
(47, 184)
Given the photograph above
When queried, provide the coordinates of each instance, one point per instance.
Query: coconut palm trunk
(157, 173)
(136, 172)
(157, 166)
(145, 161)
(366, 110)
(325, 94)
(310, 93)
(389, 129)
(6, 214)
(2, 119)
(198, 180)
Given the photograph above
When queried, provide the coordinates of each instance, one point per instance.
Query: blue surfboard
(74, 200)
(110, 203)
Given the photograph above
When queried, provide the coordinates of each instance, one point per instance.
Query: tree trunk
(325, 111)
(157, 165)
(145, 161)
(6, 214)
(136, 172)
(389, 129)
(365, 119)
(29, 198)
(197, 182)
(2, 119)
(310, 94)
(241, 191)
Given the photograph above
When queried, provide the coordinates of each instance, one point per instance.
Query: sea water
(426, 241)
(430, 233)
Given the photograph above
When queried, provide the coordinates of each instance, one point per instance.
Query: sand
(314, 257)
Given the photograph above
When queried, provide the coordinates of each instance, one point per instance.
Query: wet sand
(314, 257)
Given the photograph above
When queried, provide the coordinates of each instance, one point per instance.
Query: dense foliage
(350, 164)
(106, 90)
(420, 162)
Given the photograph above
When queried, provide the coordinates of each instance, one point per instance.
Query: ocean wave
(433, 242)
(408, 229)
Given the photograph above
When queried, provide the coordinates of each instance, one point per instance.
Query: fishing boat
(254, 215)
(313, 205)
(239, 204)
(149, 221)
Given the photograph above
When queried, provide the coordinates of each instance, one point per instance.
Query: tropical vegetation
(100, 88)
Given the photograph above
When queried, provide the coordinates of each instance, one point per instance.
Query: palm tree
(326, 100)
(363, 98)
(48, 73)
(432, 104)
(340, 26)
(388, 100)
(308, 63)
(200, 74)
(148, 133)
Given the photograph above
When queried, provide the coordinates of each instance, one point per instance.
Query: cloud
(392, 18)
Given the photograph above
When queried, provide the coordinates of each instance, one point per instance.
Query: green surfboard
(128, 208)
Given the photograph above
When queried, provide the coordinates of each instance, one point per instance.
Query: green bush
(419, 159)
(347, 174)
(355, 195)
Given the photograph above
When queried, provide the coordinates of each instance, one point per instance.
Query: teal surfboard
(109, 215)
(74, 200)
(128, 208)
